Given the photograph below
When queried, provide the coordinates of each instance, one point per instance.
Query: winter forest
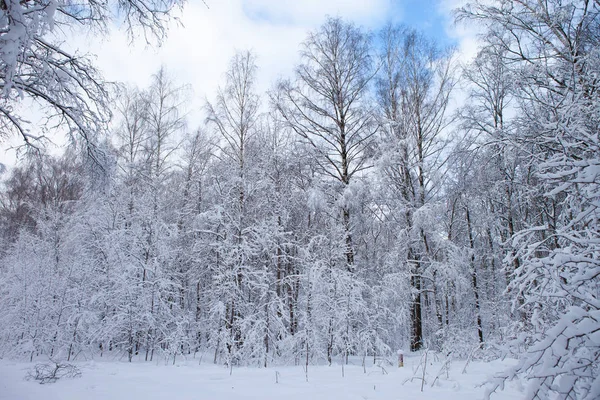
(387, 195)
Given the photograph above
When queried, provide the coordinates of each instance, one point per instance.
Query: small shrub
(52, 371)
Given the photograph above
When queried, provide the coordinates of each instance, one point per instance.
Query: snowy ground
(189, 381)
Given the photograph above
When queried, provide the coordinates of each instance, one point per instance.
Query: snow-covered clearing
(187, 380)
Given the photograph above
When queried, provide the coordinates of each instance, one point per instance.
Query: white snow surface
(187, 380)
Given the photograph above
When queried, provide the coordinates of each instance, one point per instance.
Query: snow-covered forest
(387, 195)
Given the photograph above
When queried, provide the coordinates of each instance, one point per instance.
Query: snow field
(103, 380)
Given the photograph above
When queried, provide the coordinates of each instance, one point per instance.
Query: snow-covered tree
(413, 89)
(551, 48)
(327, 106)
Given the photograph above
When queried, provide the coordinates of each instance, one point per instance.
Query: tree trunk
(474, 276)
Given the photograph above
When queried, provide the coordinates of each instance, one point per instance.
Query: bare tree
(34, 64)
(166, 118)
(235, 113)
(327, 106)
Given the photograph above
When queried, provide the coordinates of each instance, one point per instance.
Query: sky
(198, 49)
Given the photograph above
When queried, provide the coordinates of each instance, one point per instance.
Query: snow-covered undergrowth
(185, 380)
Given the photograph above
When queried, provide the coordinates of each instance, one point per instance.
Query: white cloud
(465, 34)
(197, 52)
(308, 11)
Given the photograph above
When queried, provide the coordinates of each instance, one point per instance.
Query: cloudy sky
(197, 51)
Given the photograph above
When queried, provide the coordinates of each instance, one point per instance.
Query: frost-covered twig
(444, 369)
(464, 371)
